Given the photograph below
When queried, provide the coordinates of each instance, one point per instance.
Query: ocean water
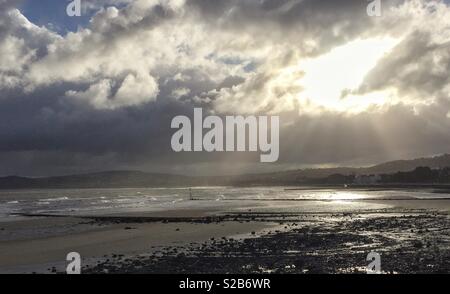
(104, 201)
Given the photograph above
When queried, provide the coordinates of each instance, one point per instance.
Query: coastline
(94, 238)
(171, 241)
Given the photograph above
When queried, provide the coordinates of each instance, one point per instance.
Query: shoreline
(243, 239)
(94, 238)
(409, 243)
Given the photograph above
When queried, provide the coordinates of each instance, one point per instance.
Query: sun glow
(329, 79)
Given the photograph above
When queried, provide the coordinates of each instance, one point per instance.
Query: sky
(99, 91)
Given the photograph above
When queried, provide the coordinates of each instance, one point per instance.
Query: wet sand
(279, 237)
(40, 243)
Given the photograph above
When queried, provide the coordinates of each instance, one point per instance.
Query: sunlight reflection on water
(85, 201)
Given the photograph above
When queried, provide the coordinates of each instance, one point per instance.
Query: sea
(16, 203)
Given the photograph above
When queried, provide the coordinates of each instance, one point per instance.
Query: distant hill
(109, 179)
(440, 161)
(137, 179)
(314, 175)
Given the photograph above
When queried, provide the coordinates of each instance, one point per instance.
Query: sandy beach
(54, 237)
(236, 237)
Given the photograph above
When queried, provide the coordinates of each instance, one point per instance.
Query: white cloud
(180, 92)
(133, 91)
(264, 44)
(136, 90)
(98, 94)
(137, 64)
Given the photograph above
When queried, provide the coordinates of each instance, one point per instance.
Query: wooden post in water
(190, 194)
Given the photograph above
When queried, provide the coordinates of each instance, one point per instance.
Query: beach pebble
(418, 244)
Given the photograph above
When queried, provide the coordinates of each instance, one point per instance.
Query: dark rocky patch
(408, 243)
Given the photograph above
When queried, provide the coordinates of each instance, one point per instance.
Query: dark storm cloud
(328, 23)
(46, 122)
(57, 116)
(418, 65)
